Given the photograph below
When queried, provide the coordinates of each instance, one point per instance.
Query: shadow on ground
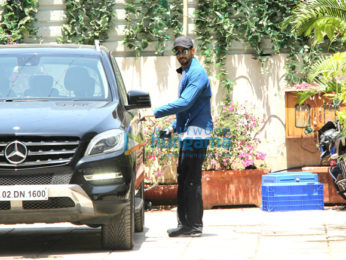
(30, 241)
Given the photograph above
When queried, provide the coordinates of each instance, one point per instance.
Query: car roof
(51, 49)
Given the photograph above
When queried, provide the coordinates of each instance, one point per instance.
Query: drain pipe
(296, 167)
(185, 17)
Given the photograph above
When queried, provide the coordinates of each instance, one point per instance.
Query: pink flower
(248, 163)
(260, 156)
(250, 147)
(158, 174)
(332, 162)
(305, 85)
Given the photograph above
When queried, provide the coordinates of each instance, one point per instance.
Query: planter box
(219, 188)
(164, 194)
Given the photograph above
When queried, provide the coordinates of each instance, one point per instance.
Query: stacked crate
(287, 191)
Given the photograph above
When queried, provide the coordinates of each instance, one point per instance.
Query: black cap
(183, 41)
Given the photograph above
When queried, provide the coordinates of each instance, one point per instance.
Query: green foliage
(150, 21)
(219, 23)
(299, 61)
(215, 32)
(331, 67)
(87, 21)
(316, 19)
(17, 20)
(328, 76)
(320, 18)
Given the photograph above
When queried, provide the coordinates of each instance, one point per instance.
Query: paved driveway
(229, 234)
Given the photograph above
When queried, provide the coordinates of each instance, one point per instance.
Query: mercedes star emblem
(16, 152)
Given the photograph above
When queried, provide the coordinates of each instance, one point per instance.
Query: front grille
(41, 151)
(5, 205)
(51, 203)
(26, 180)
(35, 179)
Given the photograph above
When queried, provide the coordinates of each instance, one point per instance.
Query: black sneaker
(184, 231)
(175, 232)
(192, 233)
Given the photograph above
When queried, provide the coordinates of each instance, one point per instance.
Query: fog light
(113, 176)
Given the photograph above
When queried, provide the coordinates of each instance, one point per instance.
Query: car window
(43, 76)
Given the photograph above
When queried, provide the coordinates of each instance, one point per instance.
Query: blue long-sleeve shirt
(192, 108)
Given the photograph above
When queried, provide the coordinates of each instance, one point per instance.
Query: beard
(184, 61)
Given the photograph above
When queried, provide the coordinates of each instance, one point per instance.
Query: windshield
(34, 76)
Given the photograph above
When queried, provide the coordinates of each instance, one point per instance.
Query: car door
(135, 142)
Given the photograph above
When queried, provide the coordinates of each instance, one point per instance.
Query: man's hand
(146, 116)
(167, 132)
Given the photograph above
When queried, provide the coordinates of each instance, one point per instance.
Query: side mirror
(138, 99)
(308, 130)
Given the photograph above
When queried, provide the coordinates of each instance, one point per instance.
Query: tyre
(118, 234)
(139, 216)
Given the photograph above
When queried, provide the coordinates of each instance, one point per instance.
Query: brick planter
(162, 194)
(232, 187)
(219, 188)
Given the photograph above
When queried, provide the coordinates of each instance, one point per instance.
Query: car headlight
(106, 142)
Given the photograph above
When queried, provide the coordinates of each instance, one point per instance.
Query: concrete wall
(266, 91)
(157, 75)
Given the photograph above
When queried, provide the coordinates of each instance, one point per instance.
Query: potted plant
(230, 171)
(233, 175)
(160, 163)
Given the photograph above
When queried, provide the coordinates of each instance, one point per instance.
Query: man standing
(194, 125)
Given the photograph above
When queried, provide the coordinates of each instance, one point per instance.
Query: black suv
(71, 148)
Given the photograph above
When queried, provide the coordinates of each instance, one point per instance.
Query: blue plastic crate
(286, 177)
(292, 196)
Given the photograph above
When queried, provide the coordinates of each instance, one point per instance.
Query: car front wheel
(118, 233)
(139, 216)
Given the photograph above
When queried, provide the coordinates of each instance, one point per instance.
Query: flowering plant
(232, 145)
(238, 124)
(161, 154)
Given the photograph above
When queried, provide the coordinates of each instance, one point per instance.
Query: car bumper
(66, 203)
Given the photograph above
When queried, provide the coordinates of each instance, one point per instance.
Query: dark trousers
(190, 204)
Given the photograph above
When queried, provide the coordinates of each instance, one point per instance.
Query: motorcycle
(332, 144)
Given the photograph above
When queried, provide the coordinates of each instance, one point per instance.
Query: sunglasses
(184, 52)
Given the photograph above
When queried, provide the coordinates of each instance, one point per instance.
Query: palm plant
(320, 18)
(329, 75)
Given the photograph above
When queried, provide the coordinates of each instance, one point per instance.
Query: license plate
(24, 192)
